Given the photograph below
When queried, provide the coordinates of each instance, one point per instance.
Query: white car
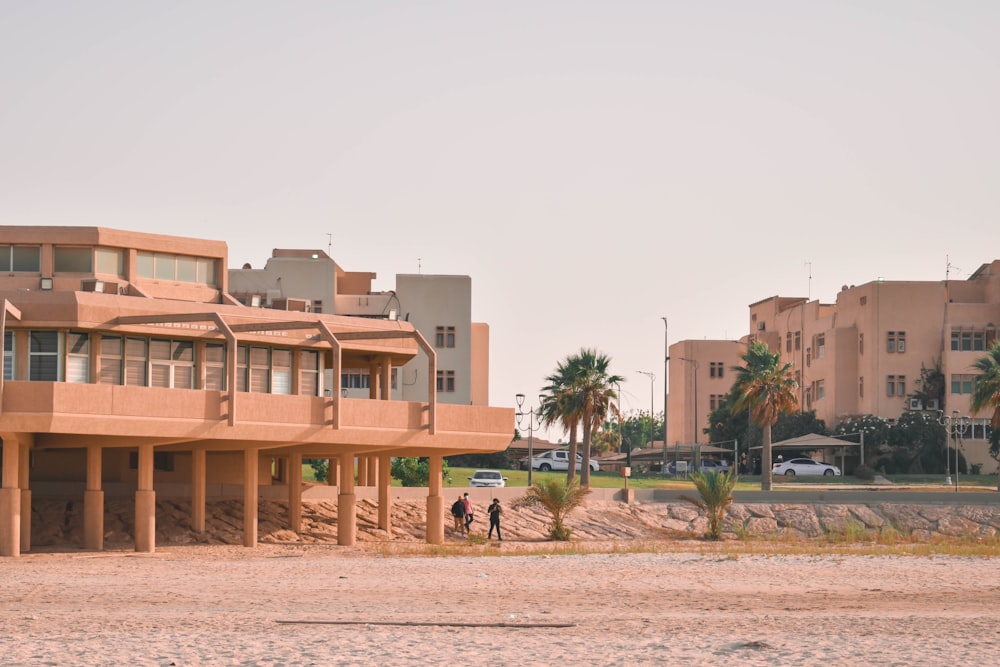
(488, 478)
(793, 467)
(558, 459)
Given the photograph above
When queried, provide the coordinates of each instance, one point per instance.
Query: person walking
(494, 512)
(468, 513)
(458, 514)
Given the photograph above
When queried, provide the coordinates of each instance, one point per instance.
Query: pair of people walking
(463, 515)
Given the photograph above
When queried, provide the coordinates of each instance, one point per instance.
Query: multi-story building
(871, 351)
(700, 373)
(129, 369)
(438, 306)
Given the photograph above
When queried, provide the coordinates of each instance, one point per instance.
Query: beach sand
(314, 604)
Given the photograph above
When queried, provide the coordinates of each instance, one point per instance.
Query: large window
(446, 381)
(715, 369)
(184, 268)
(309, 373)
(111, 360)
(8, 355)
(963, 384)
(444, 337)
(43, 356)
(895, 385)
(21, 258)
(110, 260)
(73, 259)
(78, 357)
(215, 367)
(820, 348)
(253, 369)
(895, 341)
(968, 341)
(171, 363)
(281, 375)
(136, 360)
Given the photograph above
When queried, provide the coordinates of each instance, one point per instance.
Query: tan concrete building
(700, 373)
(864, 354)
(129, 368)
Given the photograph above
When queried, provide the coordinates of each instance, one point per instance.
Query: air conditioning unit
(933, 404)
(916, 404)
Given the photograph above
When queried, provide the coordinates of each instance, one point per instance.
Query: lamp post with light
(532, 415)
(955, 427)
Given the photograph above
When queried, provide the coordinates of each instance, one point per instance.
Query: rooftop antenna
(948, 266)
(418, 266)
(329, 244)
(809, 290)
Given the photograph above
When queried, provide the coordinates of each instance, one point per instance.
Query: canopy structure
(817, 441)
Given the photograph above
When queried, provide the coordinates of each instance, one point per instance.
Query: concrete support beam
(250, 493)
(347, 511)
(24, 477)
(385, 493)
(373, 470)
(10, 499)
(331, 472)
(435, 502)
(295, 492)
(199, 481)
(145, 503)
(93, 503)
(363, 471)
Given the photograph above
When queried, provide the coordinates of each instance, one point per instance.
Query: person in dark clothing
(458, 513)
(468, 512)
(495, 511)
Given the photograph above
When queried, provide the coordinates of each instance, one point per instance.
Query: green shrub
(865, 473)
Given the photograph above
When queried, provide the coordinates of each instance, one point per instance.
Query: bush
(864, 472)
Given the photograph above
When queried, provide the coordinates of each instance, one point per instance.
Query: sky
(593, 166)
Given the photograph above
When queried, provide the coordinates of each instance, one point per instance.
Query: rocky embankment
(58, 523)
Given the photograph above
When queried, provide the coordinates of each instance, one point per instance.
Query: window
(446, 381)
(968, 341)
(861, 343)
(171, 363)
(798, 340)
(281, 371)
(73, 259)
(110, 260)
(716, 401)
(788, 341)
(355, 379)
(895, 341)
(163, 266)
(962, 384)
(215, 367)
(895, 385)
(21, 258)
(820, 391)
(253, 369)
(111, 360)
(309, 373)
(820, 348)
(136, 359)
(715, 369)
(8, 355)
(444, 337)
(78, 357)
(861, 387)
(43, 356)
(864, 301)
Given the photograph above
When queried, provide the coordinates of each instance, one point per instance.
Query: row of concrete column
(15, 497)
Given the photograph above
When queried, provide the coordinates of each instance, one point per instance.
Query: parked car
(793, 467)
(707, 465)
(488, 478)
(558, 459)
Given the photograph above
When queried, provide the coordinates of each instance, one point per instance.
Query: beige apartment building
(862, 354)
(438, 306)
(131, 370)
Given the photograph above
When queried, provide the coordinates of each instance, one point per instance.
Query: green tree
(875, 430)
(796, 424)
(716, 495)
(560, 404)
(595, 388)
(726, 424)
(559, 498)
(917, 444)
(415, 472)
(766, 388)
(986, 395)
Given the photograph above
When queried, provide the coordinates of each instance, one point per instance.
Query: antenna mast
(809, 290)
(329, 244)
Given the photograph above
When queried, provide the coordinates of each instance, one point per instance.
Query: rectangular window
(820, 348)
(444, 337)
(716, 401)
(788, 341)
(73, 259)
(260, 370)
(8, 355)
(111, 360)
(215, 367)
(861, 387)
(446, 381)
(962, 384)
(861, 343)
(110, 260)
(798, 340)
(895, 341)
(43, 356)
(895, 385)
(281, 371)
(20, 258)
(78, 357)
(171, 364)
(820, 390)
(309, 373)
(136, 361)
(968, 341)
(715, 369)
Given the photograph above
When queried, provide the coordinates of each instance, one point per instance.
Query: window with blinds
(8, 355)
(215, 367)
(43, 356)
(171, 364)
(78, 357)
(309, 373)
(136, 358)
(281, 371)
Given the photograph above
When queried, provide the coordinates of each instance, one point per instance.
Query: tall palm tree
(767, 388)
(560, 405)
(595, 387)
(986, 395)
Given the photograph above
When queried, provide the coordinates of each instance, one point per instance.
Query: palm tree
(986, 395)
(560, 404)
(767, 388)
(716, 491)
(596, 391)
(558, 497)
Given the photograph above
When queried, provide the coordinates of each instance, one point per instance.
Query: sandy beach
(329, 605)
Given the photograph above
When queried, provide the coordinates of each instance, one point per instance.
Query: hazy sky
(593, 166)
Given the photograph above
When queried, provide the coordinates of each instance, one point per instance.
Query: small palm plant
(716, 491)
(558, 497)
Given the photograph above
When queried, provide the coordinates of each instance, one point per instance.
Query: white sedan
(488, 478)
(793, 467)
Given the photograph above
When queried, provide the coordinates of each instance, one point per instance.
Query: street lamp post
(666, 376)
(531, 415)
(955, 427)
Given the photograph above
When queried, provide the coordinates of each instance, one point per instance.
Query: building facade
(130, 368)
(883, 348)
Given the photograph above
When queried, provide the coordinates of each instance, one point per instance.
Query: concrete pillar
(385, 382)
(250, 491)
(295, 492)
(373, 471)
(435, 502)
(199, 481)
(10, 500)
(347, 511)
(93, 503)
(145, 503)
(385, 493)
(363, 471)
(24, 484)
(331, 472)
